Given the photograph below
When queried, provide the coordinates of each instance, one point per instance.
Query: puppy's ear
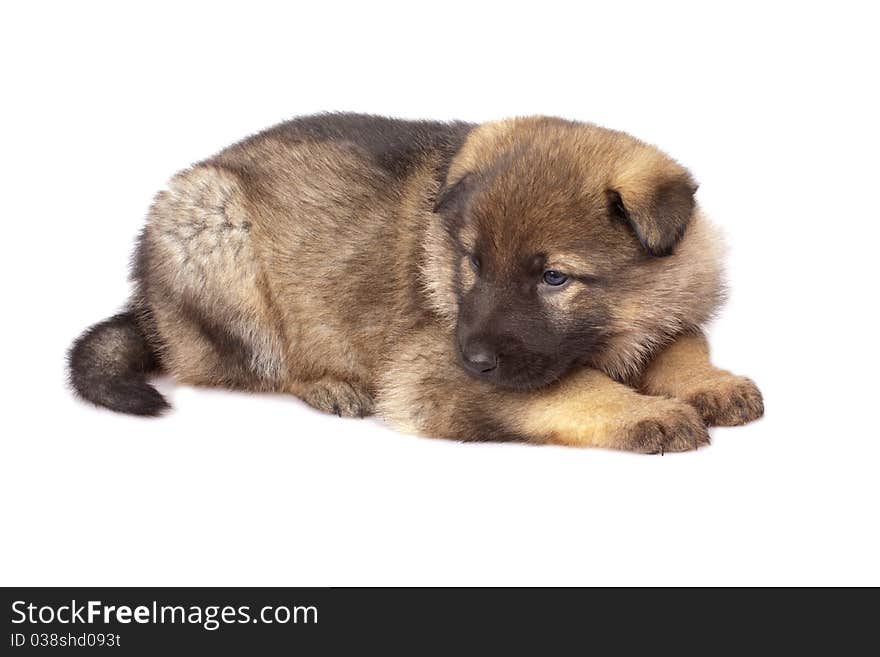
(657, 207)
(452, 198)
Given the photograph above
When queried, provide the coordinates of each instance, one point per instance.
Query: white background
(772, 106)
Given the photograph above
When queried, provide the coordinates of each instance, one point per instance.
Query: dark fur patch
(232, 351)
(451, 200)
(477, 425)
(109, 365)
(531, 346)
(395, 145)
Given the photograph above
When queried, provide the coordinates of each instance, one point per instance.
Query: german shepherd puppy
(533, 279)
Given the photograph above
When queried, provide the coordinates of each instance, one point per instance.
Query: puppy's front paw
(666, 426)
(727, 401)
(339, 398)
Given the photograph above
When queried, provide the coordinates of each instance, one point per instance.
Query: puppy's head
(554, 228)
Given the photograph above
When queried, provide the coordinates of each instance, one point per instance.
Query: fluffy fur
(370, 265)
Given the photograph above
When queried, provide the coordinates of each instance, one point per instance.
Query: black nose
(479, 357)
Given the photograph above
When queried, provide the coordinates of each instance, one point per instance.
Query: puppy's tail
(109, 364)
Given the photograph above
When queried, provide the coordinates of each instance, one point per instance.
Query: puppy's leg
(343, 398)
(683, 371)
(588, 409)
(425, 391)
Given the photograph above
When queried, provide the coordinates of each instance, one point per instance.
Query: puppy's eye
(475, 263)
(554, 278)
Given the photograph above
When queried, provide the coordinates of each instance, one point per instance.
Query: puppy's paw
(666, 425)
(339, 398)
(727, 401)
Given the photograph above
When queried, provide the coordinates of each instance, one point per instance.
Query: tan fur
(295, 263)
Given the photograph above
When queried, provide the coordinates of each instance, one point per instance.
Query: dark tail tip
(109, 364)
(128, 395)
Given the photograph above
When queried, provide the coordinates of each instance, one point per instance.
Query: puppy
(533, 279)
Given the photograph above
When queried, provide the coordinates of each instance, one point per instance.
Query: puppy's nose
(479, 357)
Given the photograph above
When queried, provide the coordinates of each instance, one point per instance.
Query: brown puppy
(518, 280)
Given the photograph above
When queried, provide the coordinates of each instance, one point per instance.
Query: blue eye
(475, 263)
(554, 278)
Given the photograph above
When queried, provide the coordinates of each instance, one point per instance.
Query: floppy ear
(451, 199)
(657, 208)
